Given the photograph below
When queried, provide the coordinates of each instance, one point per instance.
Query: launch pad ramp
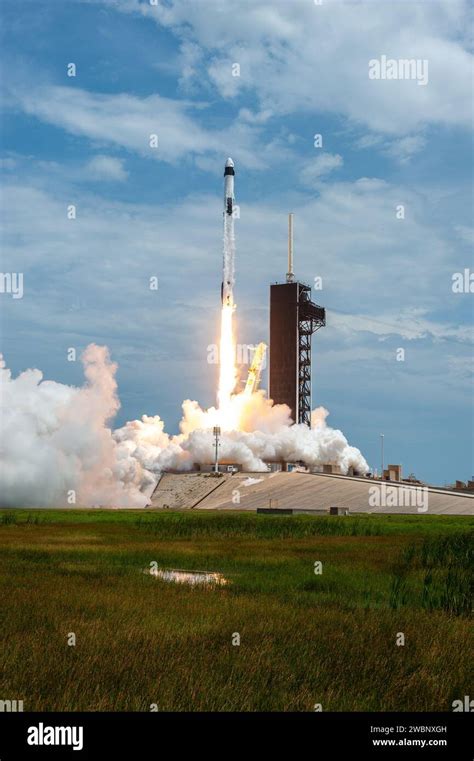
(184, 490)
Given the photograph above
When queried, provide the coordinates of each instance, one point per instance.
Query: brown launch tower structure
(293, 320)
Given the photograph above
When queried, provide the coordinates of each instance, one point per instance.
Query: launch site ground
(311, 613)
(307, 492)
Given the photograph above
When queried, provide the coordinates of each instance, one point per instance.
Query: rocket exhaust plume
(56, 443)
(56, 447)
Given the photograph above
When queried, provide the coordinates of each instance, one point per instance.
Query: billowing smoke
(57, 447)
(265, 435)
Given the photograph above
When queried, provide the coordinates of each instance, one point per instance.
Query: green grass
(439, 573)
(305, 638)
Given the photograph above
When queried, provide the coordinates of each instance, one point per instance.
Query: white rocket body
(229, 174)
(228, 274)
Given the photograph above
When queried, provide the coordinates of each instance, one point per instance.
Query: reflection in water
(189, 577)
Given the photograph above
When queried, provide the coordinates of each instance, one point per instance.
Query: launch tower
(293, 320)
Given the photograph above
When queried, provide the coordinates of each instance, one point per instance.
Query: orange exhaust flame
(228, 415)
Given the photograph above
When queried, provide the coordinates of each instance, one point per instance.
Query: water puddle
(192, 578)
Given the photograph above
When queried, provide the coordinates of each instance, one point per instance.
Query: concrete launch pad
(298, 491)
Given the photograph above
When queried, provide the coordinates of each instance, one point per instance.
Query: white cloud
(303, 56)
(259, 117)
(128, 121)
(401, 149)
(409, 324)
(404, 149)
(105, 168)
(319, 167)
(465, 233)
(99, 265)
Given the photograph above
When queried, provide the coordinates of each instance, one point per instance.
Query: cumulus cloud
(129, 121)
(321, 166)
(410, 324)
(305, 56)
(105, 168)
(290, 62)
(404, 149)
(338, 236)
(401, 149)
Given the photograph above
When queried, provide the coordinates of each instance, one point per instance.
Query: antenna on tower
(290, 277)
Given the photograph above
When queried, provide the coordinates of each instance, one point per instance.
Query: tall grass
(305, 638)
(193, 525)
(8, 519)
(439, 572)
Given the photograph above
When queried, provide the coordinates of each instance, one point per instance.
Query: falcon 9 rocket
(228, 274)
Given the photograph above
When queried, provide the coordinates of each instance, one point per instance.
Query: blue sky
(167, 69)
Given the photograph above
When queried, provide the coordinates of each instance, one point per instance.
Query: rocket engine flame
(227, 371)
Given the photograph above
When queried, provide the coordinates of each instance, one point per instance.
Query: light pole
(381, 448)
(217, 432)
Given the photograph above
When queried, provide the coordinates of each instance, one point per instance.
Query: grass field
(305, 638)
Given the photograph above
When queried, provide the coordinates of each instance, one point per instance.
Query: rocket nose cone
(229, 162)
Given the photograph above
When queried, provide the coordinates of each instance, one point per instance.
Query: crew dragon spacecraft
(228, 274)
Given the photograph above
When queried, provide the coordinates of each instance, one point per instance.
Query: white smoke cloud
(56, 439)
(264, 434)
